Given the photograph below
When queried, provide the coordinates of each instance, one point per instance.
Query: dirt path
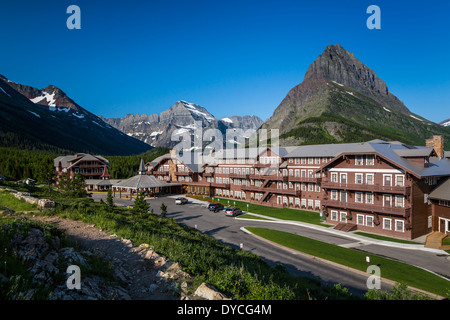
(145, 275)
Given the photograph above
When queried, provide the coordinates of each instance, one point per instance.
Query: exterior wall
(369, 190)
(441, 216)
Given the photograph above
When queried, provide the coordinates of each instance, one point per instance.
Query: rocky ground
(139, 273)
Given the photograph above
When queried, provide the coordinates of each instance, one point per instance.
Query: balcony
(366, 187)
(305, 179)
(220, 185)
(239, 175)
(403, 211)
(182, 173)
(208, 174)
(160, 173)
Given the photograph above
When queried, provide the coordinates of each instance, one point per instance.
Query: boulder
(208, 292)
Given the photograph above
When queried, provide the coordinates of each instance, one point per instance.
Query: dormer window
(359, 160)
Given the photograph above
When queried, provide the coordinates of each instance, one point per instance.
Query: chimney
(437, 142)
(173, 152)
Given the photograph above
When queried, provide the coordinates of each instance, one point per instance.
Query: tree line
(18, 164)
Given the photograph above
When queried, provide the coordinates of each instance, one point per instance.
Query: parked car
(215, 207)
(233, 211)
(181, 201)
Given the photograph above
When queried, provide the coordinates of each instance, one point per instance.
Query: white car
(181, 200)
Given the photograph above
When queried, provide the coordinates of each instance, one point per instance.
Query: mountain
(48, 119)
(445, 123)
(343, 100)
(182, 117)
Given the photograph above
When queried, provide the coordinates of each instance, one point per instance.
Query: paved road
(228, 231)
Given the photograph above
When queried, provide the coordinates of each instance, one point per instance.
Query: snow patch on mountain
(5, 92)
(49, 97)
(227, 120)
(415, 117)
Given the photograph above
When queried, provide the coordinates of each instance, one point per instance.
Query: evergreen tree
(163, 210)
(140, 205)
(109, 198)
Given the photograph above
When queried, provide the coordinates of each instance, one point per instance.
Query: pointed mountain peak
(339, 65)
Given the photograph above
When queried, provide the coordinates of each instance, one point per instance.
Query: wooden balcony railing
(403, 211)
(366, 187)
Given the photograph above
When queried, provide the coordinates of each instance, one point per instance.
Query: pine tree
(109, 198)
(163, 210)
(140, 205)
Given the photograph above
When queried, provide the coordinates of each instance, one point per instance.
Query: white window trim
(343, 217)
(399, 175)
(390, 224)
(403, 225)
(357, 219)
(367, 219)
(362, 197)
(384, 179)
(373, 178)
(334, 215)
(384, 200)
(367, 198)
(362, 178)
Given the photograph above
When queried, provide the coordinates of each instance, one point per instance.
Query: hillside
(48, 119)
(342, 100)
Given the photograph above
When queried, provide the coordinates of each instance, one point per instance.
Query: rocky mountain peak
(339, 65)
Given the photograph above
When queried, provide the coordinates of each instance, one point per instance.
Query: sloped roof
(143, 181)
(442, 192)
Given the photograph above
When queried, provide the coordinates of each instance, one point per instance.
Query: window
(359, 197)
(317, 160)
(334, 195)
(334, 215)
(303, 160)
(369, 198)
(369, 221)
(400, 180)
(399, 201)
(343, 216)
(343, 178)
(387, 224)
(399, 225)
(387, 180)
(359, 178)
(360, 219)
(317, 204)
(370, 160)
(359, 160)
(310, 187)
(304, 204)
(369, 178)
(297, 160)
(317, 188)
(334, 177)
(297, 173)
(343, 196)
(310, 160)
(387, 201)
(303, 173)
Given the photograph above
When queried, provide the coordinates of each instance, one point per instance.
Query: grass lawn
(375, 236)
(279, 213)
(390, 269)
(9, 201)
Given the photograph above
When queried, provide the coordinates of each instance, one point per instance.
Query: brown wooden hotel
(377, 186)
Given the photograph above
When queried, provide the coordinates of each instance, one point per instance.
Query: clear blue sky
(232, 57)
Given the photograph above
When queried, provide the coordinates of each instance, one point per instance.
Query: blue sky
(231, 57)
